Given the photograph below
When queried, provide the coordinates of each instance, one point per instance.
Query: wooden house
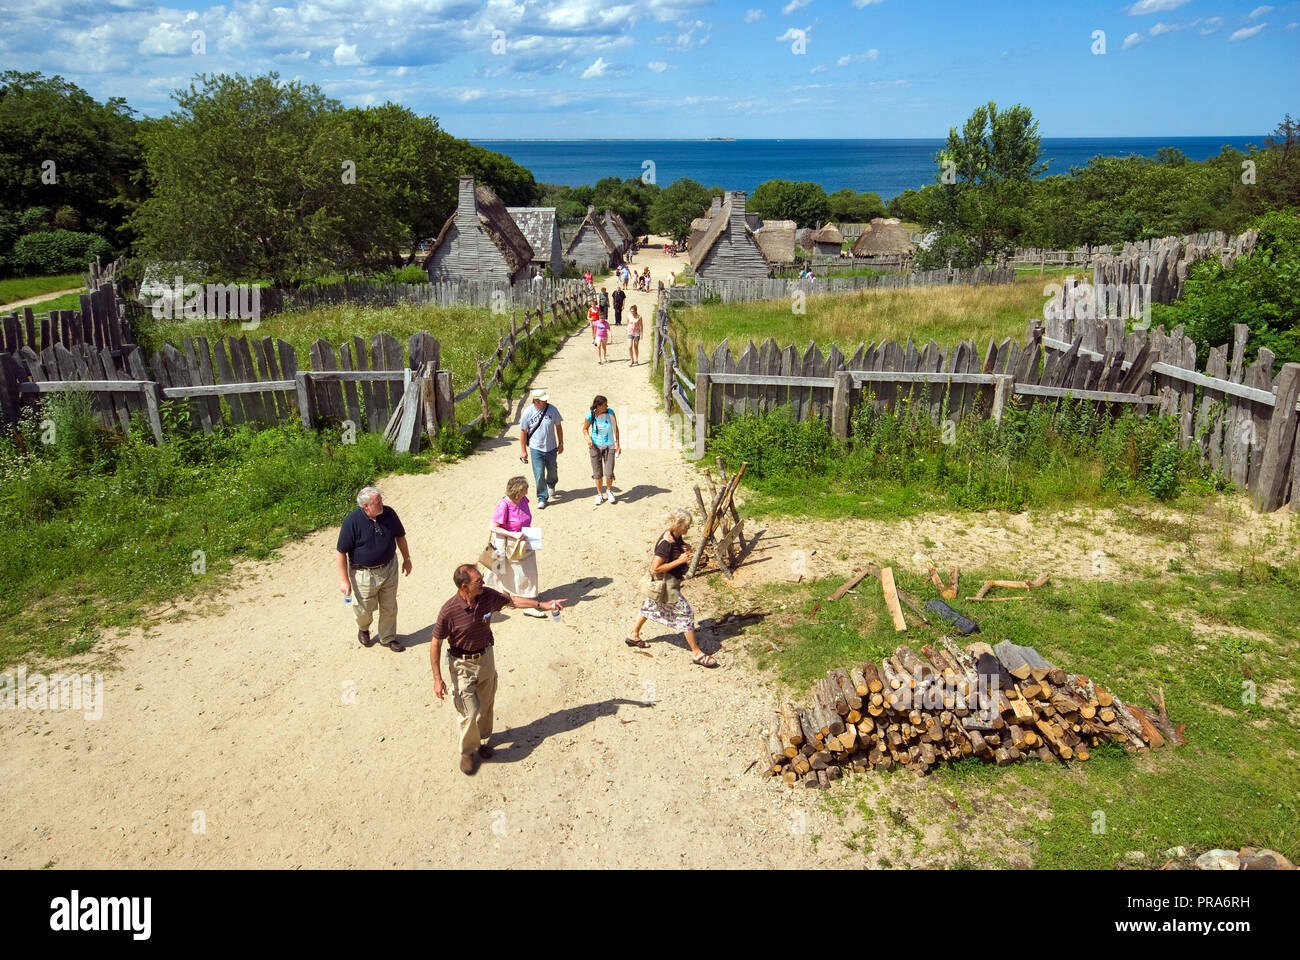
(591, 247)
(728, 250)
(480, 241)
(616, 229)
(541, 228)
(884, 238)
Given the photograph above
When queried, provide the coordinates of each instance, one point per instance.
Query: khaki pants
(473, 692)
(376, 589)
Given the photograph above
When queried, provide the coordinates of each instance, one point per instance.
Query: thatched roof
(501, 228)
(776, 239)
(614, 221)
(538, 227)
(591, 222)
(882, 238)
(699, 227)
(718, 223)
(829, 233)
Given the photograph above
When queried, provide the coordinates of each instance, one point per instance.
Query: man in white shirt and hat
(541, 441)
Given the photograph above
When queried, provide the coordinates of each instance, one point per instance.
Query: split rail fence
(1241, 418)
(259, 381)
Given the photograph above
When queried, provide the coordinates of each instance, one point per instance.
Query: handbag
(665, 592)
(518, 549)
(488, 558)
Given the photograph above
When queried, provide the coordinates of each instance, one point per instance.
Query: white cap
(541, 395)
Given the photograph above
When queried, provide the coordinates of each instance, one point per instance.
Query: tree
(676, 206)
(849, 206)
(986, 174)
(803, 202)
(630, 199)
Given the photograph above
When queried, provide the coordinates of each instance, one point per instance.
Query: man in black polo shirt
(464, 622)
(369, 539)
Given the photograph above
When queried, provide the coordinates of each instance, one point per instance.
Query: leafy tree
(849, 206)
(676, 206)
(803, 202)
(630, 199)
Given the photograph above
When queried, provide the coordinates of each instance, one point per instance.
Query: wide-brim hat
(541, 395)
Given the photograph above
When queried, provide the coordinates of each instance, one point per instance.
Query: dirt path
(41, 299)
(240, 714)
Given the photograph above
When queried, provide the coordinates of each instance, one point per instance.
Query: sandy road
(238, 721)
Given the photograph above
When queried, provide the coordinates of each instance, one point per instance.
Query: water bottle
(555, 615)
(347, 599)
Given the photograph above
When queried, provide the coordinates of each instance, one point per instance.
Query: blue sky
(693, 68)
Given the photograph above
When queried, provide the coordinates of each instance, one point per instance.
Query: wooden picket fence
(101, 322)
(259, 381)
(777, 288)
(1242, 419)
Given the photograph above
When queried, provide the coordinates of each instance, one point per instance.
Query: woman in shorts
(633, 337)
(601, 430)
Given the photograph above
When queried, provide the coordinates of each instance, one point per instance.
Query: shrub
(57, 251)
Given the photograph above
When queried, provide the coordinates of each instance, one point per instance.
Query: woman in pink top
(515, 570)
(601, 329)
(633, 337)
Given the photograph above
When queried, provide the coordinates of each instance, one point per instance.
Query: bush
(412, 273)
(775, 447)
(57, 251)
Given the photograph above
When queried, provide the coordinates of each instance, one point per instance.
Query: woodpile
(1002, 704)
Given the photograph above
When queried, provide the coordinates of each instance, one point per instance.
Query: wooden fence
(745, 291)
(474, 293)
(1242, 419)
(247, 380)
(101, 322)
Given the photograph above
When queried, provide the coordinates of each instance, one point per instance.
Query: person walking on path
(601, 430)
(515, 569)
(618, 297)
(464, 622)
(603, 302)
(601, 330)
(541, 440)
(671, 554)
(368, 543)
(633, 337)
(593, 314)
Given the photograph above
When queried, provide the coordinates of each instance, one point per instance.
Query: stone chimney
(736, 217)
(716, 208)
(591, 210)
(466, 204)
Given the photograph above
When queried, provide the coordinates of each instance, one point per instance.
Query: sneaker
(609, 495)
(551, 494)
(541, 504)
(599, 499)
(530, 612)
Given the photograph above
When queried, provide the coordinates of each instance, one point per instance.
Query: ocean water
(886, 167)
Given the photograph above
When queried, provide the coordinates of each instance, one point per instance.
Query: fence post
(429, 399)
(304, 397)
(150, 393)
(445, 400)
(701, 414)
(668, 384)
(1002, 388)
(1271, 487)
(840, 404)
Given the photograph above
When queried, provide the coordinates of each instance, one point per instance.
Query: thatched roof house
(700, 225)
(616, 229)
(591, 247)
(776, 240)
(728, 250)
(480, 241)
(828, 240)
(884, 238)
(541, 229)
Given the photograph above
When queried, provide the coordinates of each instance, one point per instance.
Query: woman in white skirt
(672, 555)
(514, 570)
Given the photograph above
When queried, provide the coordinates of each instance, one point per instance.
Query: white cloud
(1160, 28)
(166, 39)
(1291, 26)
(794, 5)
(752, 16)
(848, 58)
(1132, 40)
(1211, 25)
(345, 55)
(865, 3)
(658, 66)
(597, 69)
(1154, 6)
(1258, 12)
(1245, 33)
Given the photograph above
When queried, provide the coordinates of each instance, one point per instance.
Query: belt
(464, 655)
(377, 566)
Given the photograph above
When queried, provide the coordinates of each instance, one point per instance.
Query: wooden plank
(114, 401)
(825, 383)
(1279, 450)
(893, 362)
(178, 375)
(228, 389)
(1037, 390)
(12, 376)
(1229, 387)
(288, 365)
(87, 371)
(283, 408)
(1260, 376)
(790, 366)
(1238, 466)
(818, 398)
(1213, 405)
(350, 401)
(746, 367)
(391, 352)
(269, 403)
(717, 403)
(891, 598)
(371, 403)
(773, 396)
(255, 410)
(225, 374)
(202, 353)
(200, 406)
(730, 404)
(327, 396)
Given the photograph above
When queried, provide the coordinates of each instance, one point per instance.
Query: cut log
(790, 727)
(848, 689)
(891, 598)
(934, 578)
(1042, 580)
(1010, 657)
(982, 592)
(1039, 668)
(848, 585)
(872, 675)
(860, 685)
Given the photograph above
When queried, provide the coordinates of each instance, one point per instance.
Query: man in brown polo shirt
(464, 622)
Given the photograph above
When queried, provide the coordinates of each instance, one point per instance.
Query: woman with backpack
(601, 430)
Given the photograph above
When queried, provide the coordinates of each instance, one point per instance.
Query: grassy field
(101, 530)
(1220, 644)
(944, 314)
(22, 288)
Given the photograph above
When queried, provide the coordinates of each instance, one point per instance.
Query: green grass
(1235, 783)
(22, 288)
(69, 301)
(945, 314)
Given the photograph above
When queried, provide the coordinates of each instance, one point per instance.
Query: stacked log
(1002, 704)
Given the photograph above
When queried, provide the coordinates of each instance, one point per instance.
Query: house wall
(588, 252)
(467, 255)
